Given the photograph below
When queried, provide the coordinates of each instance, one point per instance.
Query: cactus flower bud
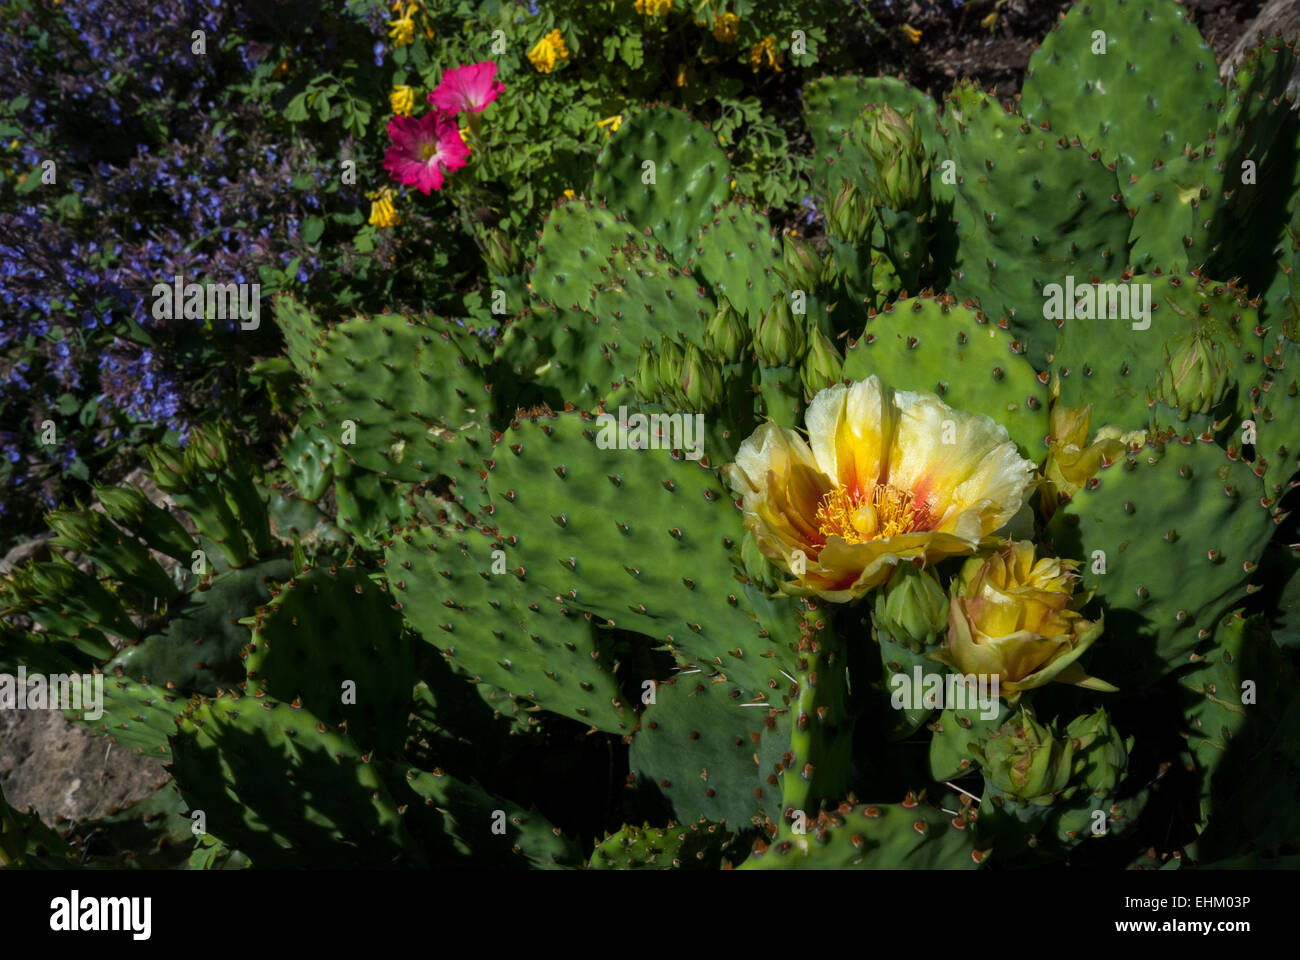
(901, 179)
(1026, 760)
(850, 219)
(779, 340)
(647, 373)
(727, 335)
(1097, 741)
(125, 505)
(131, 509)
(209, 449)
(1014, 616)
(78, 529)
(670, 363)
(801, 269)
(823, 365)
(699, 384)
(912, 608)
(497, 250)
(1195, 378)
(168, 467)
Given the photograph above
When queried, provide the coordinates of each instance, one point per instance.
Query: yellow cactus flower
(1014, 617)
(382, 212)
(611, 124)
(403, 28)
(1071, 460)
(549, 51)
(653, 8)
(911, 33)
(765, 50)
(726, 26)
(885, 477)
(402, 100)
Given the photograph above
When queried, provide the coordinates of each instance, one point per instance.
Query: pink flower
(467, 88)
(423, 149)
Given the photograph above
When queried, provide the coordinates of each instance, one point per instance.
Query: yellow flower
(464, 138)
(912, 33)
(1071, 461)
(549, 51)
(765, 49)
(681, 75)
(725, 27)
(613, 123)
(569, 193)
(402, 100)
(1014, 617)
(403, 28)
(382, 212)
(875, 485)
(653, 8)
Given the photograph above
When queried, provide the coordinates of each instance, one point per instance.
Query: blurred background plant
(241, 141)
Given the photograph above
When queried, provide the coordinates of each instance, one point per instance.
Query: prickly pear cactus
(970, 505)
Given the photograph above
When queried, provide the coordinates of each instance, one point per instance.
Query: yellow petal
(849, 428)
(780, 485)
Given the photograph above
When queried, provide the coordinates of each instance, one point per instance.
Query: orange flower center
(856, 517)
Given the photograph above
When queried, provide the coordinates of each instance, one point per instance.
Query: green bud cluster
(686, 376)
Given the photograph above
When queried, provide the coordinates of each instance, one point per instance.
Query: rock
(50, 763)
(36, 548)
(1276, 16)
(54, 765)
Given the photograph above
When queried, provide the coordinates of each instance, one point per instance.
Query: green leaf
(296, 111)
(357, 117)
(312, 228)
(31, 183)
(88, 412)
(69, 205)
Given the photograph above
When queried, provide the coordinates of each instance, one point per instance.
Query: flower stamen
(855, 517)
